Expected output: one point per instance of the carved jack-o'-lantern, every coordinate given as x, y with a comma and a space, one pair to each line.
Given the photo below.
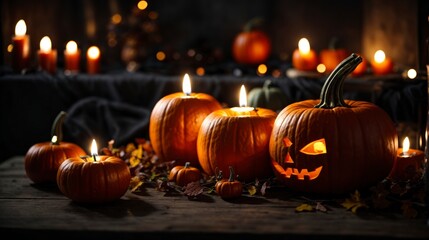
332, 145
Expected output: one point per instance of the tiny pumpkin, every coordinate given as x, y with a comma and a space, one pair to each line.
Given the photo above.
251, 46
269, 96
182, 175
42, 160
87, 181
229, 188
332, 145
333, 55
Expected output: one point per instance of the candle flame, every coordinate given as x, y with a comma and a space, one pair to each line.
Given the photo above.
93, 52
94, 150
243, 97
379, 56
45, 44
406, 145
186, 85
71, 47
20, 28
54, 139
304, 46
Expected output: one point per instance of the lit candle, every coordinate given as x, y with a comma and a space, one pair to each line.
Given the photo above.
408, 162
71, 57
175, 121
304, 58
47, 56
93, 60
381, 64
21, 47
237, 137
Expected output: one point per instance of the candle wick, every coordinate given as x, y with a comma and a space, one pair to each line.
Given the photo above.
187, 94
95, 157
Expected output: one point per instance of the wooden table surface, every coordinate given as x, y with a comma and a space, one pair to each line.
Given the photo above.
28, 210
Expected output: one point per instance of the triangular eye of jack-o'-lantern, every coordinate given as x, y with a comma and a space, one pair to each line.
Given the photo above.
332, 145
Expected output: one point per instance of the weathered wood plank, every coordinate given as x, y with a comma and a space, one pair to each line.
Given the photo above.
27, 210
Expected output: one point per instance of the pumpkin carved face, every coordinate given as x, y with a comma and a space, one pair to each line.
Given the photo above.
316, 147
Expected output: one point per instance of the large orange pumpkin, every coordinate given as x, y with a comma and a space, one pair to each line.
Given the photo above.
239, 139
174, 124
88, 181
332, 145
251, 46
42, 160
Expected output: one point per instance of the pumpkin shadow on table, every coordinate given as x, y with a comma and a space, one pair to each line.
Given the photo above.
47, 188
132, 206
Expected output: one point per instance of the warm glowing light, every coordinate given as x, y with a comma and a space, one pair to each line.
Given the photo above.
405, 145
200, 71
304, 46
116, 18
93, 52
160, 56
262, 69
412, 73
71, 47
10, 48
315, 148
45, 44
20, 28
54, 139
243, 97
142, 5
186, 85
379, 56
94, 150
321, 68
153, 15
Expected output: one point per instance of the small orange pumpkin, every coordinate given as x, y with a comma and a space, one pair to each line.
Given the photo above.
182, 175
229, 188
333, 55
174, 124
88, 181
251, 46
43, 159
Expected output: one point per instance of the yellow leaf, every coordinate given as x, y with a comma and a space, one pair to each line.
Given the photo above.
252, 190
354, 202
130, 147
304, 208
135, 183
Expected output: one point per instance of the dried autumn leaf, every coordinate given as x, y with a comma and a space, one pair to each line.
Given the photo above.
320, 207
193, 189
264, 188
304, 208
354, 203
135, 183
252, 190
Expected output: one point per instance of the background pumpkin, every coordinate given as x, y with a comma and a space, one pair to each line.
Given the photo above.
227, 138
333, 55
174, 125
42, 160
269, 96
93, 182
251, 46
361, 140
182, 175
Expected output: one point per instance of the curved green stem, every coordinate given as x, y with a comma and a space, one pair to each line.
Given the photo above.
231, 174
187, 164
57, 127
254, 23
331, 95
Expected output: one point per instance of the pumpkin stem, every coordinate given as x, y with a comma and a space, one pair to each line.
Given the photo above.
187, 164
57, 127
331, 95
231, 174
253, 23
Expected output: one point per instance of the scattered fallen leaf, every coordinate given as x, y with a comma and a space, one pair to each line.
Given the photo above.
321, 208
193, 189
354, 202
304, 208
252, 190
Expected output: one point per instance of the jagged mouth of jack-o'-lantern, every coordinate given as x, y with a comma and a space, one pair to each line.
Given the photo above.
316, 147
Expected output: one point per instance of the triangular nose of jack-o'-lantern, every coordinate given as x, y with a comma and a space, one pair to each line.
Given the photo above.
333, 145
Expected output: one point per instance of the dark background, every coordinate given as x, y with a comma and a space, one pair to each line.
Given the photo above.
398, 27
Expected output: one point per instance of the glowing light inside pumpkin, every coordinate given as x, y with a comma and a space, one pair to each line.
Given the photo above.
186, 85
20, 28
71, 47
321, 68
94, 150
379, 56
304, 46
405, 146
54, 139
315, 148
45, 44
243, 97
